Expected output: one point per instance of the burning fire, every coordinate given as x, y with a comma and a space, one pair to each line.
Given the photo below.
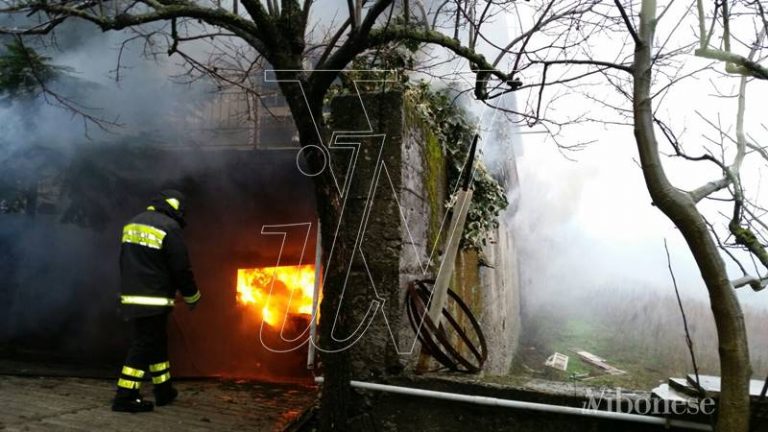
292, 288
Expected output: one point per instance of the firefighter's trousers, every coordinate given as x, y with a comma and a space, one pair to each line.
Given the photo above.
148, 354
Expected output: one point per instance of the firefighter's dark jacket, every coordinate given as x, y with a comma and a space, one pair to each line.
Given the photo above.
154, 262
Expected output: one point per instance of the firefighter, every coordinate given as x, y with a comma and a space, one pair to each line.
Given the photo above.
154, 264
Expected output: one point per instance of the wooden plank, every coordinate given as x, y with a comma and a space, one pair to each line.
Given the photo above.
599, 362
455, 230
444, 274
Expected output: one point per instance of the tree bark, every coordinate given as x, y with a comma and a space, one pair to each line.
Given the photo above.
335, 399
336, 394
680, 208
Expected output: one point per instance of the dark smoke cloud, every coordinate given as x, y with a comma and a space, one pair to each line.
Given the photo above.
59, 286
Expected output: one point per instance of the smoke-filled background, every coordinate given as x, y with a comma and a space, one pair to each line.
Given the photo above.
67, 186
593, 267
41, 142
594, 271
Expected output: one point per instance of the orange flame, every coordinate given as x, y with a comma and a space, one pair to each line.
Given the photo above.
292, 289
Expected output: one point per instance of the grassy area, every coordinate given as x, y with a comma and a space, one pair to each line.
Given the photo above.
636, 330
567, 337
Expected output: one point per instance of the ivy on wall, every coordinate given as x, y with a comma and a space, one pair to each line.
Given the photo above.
454, 129
447, 128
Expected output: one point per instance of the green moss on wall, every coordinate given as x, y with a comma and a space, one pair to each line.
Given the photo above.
439, 117
434, 179
434, 166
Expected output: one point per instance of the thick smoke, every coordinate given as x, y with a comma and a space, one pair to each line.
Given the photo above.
59, 221
592, 250
140, 97
67, 186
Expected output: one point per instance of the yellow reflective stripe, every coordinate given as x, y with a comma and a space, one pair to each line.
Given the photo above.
136, 373
157, 367
151, 208
173, 202
143, 235
161, 378
146, 301
129, 384
145, 229
193, 298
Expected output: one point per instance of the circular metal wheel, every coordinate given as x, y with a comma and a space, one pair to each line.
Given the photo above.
453, 346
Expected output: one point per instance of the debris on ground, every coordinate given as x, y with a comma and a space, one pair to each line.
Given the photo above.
557, 361
599, 362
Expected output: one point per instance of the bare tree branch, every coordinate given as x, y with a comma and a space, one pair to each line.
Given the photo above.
627, 22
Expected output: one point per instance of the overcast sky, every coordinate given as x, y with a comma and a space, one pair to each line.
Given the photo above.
595, 212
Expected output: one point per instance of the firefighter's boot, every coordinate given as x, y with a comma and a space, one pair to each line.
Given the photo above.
165, 393
131, 401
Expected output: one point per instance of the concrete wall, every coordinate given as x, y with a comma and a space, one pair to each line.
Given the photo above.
371, 235
394, 412
423, 197
402, 240
499, 314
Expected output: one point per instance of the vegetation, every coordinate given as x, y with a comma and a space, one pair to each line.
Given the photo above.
449, 130
453, 127
645, 339
24, 72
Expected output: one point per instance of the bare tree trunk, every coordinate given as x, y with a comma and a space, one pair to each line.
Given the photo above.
336, 396
681, 209
335, 399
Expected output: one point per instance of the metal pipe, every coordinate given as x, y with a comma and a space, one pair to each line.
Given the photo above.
531, 406
315, 298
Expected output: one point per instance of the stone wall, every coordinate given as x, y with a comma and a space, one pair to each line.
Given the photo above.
419, 208
404, 413
369, 164
402, 241
500, 300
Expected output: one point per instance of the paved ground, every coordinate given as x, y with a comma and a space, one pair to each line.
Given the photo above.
78, 404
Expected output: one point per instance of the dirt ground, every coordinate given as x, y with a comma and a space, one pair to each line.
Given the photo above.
78, 404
